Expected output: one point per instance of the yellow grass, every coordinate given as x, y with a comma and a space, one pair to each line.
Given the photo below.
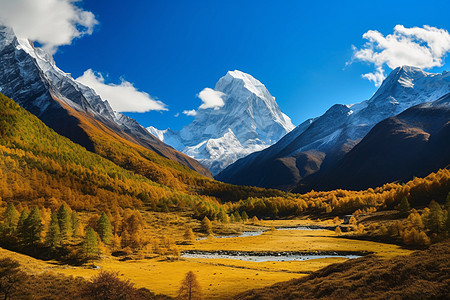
222, 278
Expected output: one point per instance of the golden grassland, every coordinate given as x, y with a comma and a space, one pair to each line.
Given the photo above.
297, 240
221, 278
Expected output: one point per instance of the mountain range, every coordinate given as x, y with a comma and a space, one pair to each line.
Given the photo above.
400, 132
320, 143
30, 76
250, 120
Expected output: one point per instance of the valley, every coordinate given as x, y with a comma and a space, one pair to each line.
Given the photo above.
218, 277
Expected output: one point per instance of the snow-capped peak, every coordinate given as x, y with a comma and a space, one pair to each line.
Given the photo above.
249, 118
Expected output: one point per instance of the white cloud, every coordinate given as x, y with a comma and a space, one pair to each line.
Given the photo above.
191, 112
424, 47
52, 23
211, 99
176, 115
122, 97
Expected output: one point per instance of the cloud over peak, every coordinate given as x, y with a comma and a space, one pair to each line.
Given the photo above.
123, 97
210, 99
424, 47
52, 23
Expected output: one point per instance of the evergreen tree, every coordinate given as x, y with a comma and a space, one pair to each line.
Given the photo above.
222, 216
32, 228
53, 237
434, 219
244, 216
206, 226
21, 223
65, 223
104, 228
404, 206
90, 244
11, 218
447, 222
75, 224
237, 216
232, 219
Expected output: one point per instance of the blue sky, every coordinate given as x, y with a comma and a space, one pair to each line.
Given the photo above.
174, 49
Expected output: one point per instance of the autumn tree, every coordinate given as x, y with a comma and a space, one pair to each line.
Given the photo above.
108, 286
11, 277
206, 226
11, 218
338, 230
53, 236
104, 228
90, 244
189, 236
133, 231
190, 288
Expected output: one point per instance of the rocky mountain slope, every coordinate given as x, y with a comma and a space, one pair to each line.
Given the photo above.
319, 143
249, 121
30, 77
413, 143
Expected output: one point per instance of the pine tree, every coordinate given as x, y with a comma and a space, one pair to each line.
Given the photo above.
32, 228
237, 216
232, 219
90, 244
338, 230
65, 223
222, 216
104, 228
53, 237
21, 223
244, 216
206, 226
11, 217
404, 206
190, 288
76, 231
434, 219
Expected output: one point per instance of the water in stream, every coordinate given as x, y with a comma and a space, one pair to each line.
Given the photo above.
262, 258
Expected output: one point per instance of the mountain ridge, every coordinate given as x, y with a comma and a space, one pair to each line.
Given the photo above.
30, 77
326, 139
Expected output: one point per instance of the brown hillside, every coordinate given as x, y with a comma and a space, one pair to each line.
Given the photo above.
421, 275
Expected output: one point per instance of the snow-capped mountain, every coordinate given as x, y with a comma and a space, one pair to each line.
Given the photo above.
319, 143
415, 142
249, 121
30, 76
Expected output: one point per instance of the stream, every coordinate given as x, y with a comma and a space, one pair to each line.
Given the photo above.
269, 256
266, 256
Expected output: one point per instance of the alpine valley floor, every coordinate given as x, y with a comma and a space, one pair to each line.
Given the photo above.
224, 278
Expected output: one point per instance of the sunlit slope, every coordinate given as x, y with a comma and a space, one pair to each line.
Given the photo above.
37, 164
